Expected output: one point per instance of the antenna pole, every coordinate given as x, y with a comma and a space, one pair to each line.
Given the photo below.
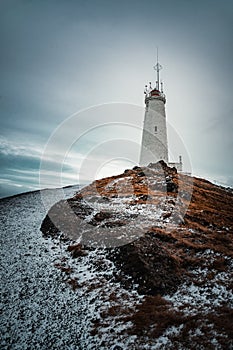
157, 68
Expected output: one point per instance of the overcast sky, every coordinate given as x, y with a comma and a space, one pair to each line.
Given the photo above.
61, 57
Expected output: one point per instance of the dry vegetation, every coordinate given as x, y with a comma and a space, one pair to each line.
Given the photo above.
155, 315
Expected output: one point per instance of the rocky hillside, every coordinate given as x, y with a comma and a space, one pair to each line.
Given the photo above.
169, 237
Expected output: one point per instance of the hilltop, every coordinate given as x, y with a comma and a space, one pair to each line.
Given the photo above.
169, 238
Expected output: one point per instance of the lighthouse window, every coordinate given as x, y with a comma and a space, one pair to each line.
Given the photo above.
156, 129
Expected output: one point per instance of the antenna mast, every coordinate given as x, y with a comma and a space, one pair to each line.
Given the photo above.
157, 68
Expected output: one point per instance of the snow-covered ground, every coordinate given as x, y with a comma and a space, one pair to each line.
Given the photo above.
52, 301
205, 293
39, 308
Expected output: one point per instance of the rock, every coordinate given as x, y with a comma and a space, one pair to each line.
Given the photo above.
141, 174
77, 250
48, 228
166, 215
143, 197
137, 168
150, 266
115, 223
65, 269
171, 185
158, 165
102, 215
73, 283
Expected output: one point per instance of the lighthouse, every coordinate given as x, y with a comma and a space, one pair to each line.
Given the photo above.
154, 146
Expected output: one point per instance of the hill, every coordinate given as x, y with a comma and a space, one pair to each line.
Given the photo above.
169, 238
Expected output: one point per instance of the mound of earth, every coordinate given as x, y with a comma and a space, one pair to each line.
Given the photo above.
154, 223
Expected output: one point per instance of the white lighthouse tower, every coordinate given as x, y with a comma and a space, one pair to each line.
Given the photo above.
154, 145
154, 138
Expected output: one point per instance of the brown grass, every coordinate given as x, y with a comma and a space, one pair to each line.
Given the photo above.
155, 315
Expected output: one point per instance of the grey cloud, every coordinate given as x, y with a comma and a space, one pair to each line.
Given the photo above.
58, 57
20, 168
